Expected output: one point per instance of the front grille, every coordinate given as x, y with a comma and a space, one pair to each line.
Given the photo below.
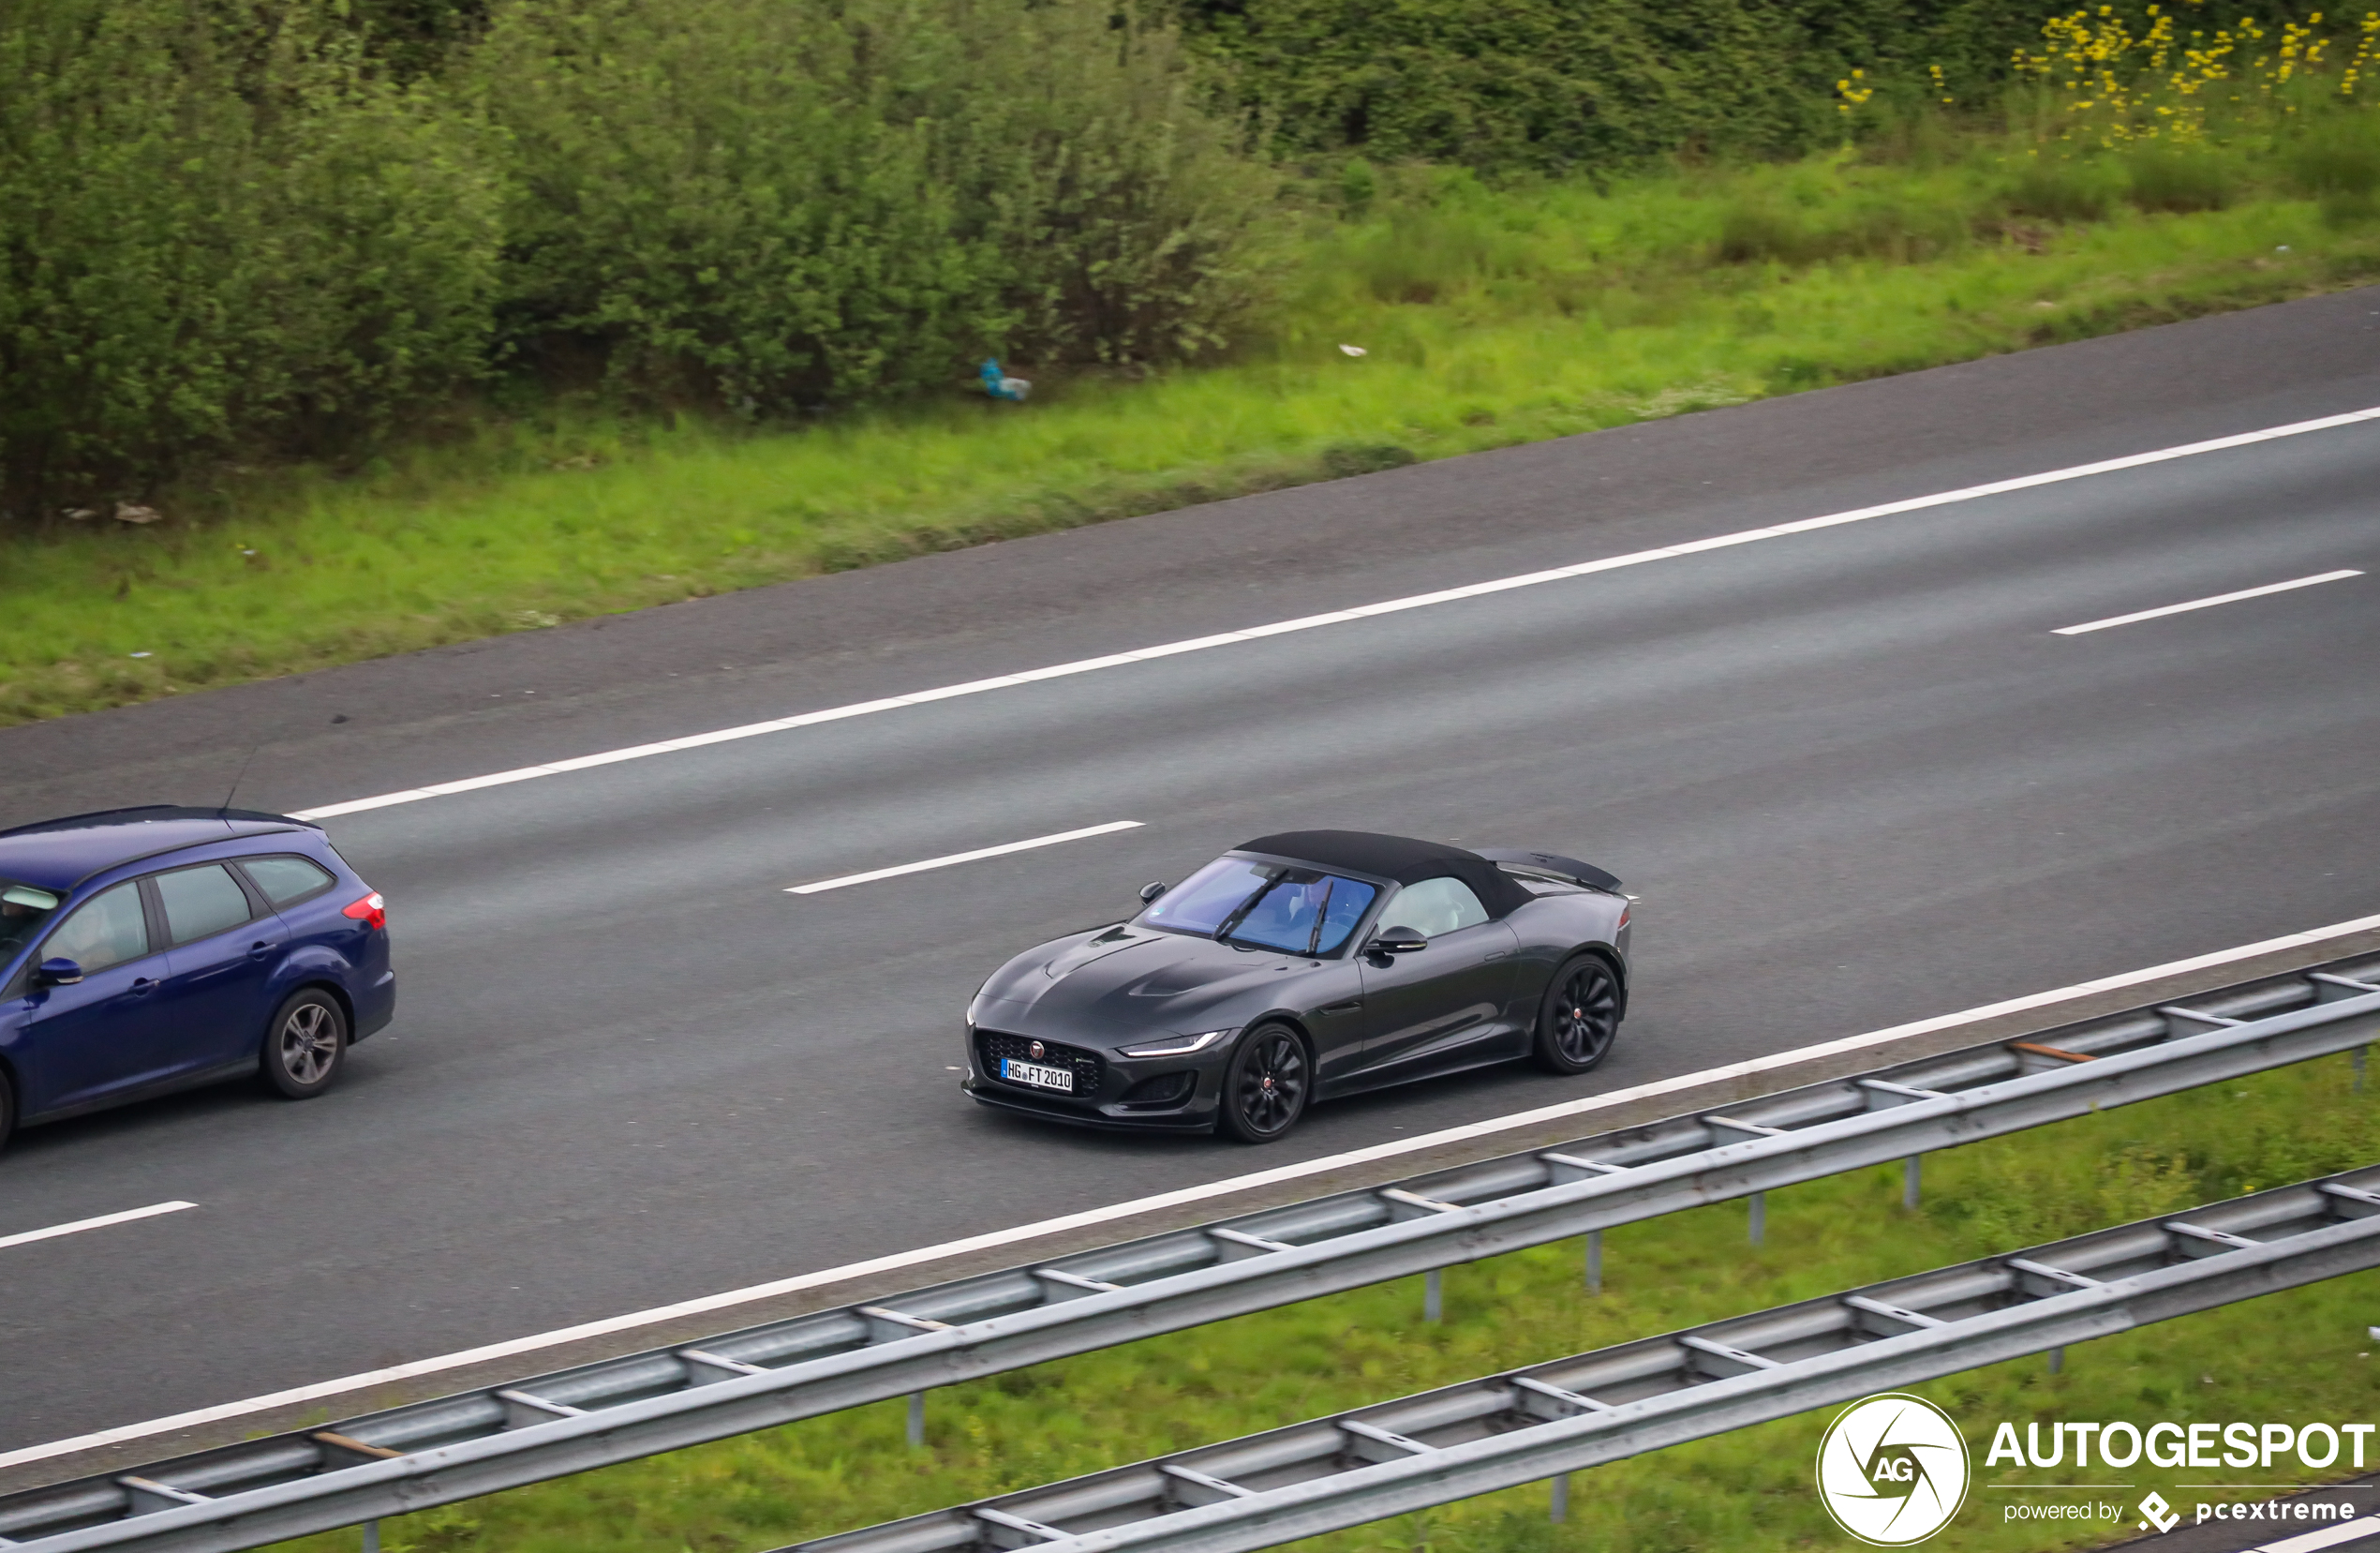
992, 1045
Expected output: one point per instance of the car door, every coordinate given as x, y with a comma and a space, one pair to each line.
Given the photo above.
221, 950
1444, 1002
98, 1038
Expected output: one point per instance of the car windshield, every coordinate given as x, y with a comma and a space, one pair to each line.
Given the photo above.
1265, 905
23, 910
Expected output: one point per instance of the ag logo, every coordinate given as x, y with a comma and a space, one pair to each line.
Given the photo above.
1892, 1470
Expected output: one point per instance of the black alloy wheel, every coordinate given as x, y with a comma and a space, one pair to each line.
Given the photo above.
304, 1045
1581, 1017
1265, 1088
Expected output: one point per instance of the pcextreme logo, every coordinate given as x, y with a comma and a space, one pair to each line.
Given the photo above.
1892, 1470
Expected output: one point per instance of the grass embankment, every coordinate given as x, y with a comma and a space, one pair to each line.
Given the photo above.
1488, 318
2298, 1356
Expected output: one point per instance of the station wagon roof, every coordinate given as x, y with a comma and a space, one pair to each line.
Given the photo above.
60, 854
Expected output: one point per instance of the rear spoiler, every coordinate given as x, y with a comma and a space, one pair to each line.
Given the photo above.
1550, 865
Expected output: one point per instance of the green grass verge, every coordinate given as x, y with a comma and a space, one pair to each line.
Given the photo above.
1488, 318
2298, 1356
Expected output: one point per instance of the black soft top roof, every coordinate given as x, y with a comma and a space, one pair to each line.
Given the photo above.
1400, 858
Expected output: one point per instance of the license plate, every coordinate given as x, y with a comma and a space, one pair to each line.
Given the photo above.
1037, 1075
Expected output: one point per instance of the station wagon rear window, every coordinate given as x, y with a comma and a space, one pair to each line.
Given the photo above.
287, 880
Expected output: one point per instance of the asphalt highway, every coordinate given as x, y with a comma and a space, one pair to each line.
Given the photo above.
1855, 773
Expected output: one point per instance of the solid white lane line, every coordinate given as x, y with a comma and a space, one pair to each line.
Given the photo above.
2202, 603
1044, 1228
1340, 617
26, 1237
2328, 1536
1000, 851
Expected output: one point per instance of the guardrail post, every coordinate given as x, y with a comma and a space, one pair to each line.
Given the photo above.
371, 1536
1559, 1510
1911, 1172
1760, 1217
2057, 1359
1432, 1297
2360, 1053
916, 1418
1595, 1262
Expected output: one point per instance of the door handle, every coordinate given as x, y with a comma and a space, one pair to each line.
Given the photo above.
1501, 954
258, 950
142, 986
1350, 1006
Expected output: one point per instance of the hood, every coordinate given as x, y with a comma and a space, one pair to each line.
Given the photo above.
1124, 985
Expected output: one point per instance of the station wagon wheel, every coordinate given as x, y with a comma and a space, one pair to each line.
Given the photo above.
304, 1045
1581, 1017
7, 1110
1266, 1086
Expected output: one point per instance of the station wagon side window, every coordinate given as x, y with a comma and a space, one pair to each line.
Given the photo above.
201, 902
107, 930
286, 880
1435, 906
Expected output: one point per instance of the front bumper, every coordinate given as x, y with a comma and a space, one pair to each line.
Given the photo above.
1131, 1094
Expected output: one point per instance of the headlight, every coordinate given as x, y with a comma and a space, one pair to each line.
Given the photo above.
1179, 1046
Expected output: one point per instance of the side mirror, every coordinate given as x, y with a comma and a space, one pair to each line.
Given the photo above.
57, 973
1397, 941
1150, 890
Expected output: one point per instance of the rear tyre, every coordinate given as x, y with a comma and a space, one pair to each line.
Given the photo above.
1581, 1016
305, 1046
1265, 1085
7, 1110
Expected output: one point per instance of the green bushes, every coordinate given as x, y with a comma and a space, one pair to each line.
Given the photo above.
797, 203
1567, 86
1555, 85
274, 227
216, 228
229, 228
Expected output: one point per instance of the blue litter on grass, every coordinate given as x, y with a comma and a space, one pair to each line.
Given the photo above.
1000, 387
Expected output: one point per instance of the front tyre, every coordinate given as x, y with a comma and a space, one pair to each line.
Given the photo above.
1266, 1086
304, 1045
1581, 1016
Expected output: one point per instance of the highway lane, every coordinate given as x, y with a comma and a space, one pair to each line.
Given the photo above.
1856, 777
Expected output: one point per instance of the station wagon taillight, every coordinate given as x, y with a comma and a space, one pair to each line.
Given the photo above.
371, 911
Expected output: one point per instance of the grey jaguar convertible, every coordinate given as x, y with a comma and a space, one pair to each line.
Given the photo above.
1301, 967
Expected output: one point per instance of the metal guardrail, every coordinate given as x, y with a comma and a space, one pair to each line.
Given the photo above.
1552, 1419
480, 1442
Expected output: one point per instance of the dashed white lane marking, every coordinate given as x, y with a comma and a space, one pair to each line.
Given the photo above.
1001, 851
2163, 610
1340, 617
26, 1237
297, 1395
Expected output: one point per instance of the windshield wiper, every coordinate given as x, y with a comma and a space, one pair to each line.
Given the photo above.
1223, 928
1321, 914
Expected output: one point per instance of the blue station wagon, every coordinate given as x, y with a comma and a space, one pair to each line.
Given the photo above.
152, 949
